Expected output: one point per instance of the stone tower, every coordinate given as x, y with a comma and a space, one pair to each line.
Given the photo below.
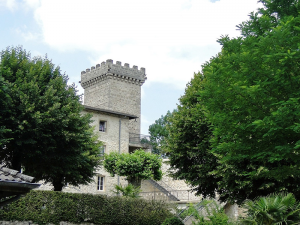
115, 87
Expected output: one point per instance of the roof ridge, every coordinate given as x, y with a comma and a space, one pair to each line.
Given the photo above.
17, 174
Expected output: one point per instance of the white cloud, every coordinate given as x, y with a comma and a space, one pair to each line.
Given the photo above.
92, 24
165, 37
27, 35
32, 3
24, 5
10, 4
160, 67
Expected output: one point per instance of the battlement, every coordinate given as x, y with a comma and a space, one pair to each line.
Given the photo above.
109, 70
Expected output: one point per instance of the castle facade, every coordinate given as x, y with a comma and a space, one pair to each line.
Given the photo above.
112, 94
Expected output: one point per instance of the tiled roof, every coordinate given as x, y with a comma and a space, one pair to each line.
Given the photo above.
14, 176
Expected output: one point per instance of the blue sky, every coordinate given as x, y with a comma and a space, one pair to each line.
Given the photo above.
170, 38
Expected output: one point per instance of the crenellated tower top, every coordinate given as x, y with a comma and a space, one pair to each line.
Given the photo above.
114, 87
109, 70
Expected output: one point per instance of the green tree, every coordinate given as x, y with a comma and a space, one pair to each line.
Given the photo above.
251, 97
4, 102
187, 144
137, 166
50, 137
237, 126
268, 17
158, 132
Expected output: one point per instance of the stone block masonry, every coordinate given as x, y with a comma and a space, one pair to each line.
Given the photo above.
110, 139
115, 87
31, 223
96, 74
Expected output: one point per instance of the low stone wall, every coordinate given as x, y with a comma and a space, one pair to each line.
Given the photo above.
31, 223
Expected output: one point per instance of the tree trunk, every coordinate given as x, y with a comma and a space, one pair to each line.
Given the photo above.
58, 184
136, 182
231, 210
16, 159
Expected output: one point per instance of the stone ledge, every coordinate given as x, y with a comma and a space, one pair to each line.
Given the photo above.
31, 223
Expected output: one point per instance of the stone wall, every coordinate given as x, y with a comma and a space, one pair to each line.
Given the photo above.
31, 223
115, 87
178, 188
150, 192
172, 183
98, 95
110, 139
118, 88
126, 97
132, 74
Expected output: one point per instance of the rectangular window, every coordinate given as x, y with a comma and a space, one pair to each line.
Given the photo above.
100, 183
102, 126
102, 150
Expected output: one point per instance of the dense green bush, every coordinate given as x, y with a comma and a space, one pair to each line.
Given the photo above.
45, 207
127, 191
278, 208
207, 212
173, 221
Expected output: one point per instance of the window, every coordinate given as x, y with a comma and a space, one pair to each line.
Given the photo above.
102, 126
100, 183
102, 150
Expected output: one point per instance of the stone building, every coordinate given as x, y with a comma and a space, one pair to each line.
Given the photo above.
112, 94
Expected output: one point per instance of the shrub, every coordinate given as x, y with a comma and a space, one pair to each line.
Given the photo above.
45, 207
208, 212
281, 208
127, 191
173, 221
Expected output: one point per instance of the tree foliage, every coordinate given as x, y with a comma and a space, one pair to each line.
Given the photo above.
248, 101
50, 137
251, 97
173, 221
4, 102
187, 144
137, 166
268, 17
278, 208
158, 132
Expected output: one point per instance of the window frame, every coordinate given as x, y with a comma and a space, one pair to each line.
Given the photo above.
102, 150
104, 127
100, 183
